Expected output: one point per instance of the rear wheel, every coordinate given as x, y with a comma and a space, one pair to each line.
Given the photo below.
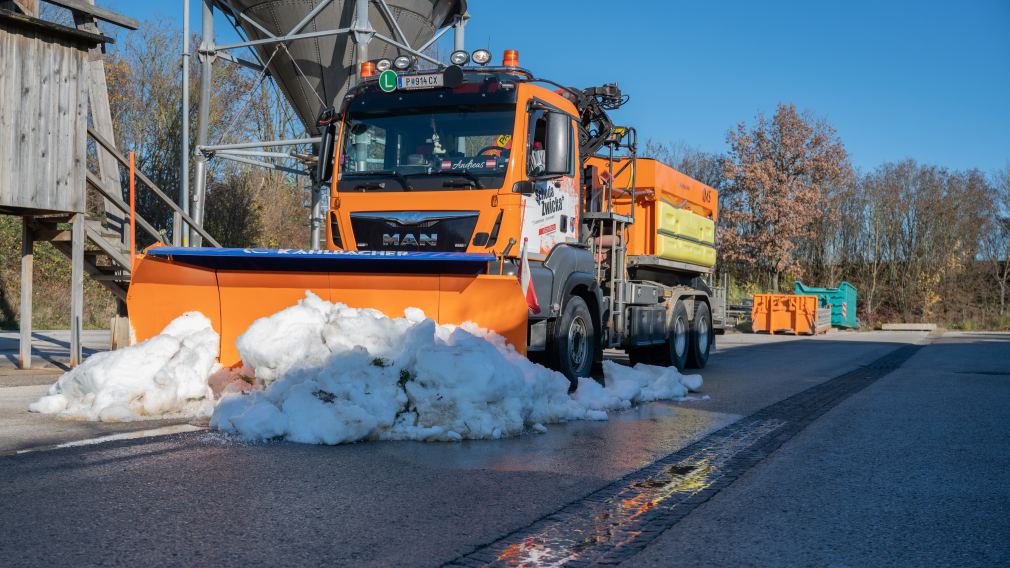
674, 352
701, 337
572, 341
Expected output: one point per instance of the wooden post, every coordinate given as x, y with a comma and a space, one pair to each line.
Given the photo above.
101, 117
76, 288
27, 266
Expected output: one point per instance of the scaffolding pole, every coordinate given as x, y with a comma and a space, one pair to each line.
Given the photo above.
181, 238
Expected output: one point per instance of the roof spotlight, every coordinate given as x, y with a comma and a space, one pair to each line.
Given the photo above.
383, 64
481, 56
459, 57
402, 62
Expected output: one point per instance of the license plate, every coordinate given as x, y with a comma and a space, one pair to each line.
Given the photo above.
429, 81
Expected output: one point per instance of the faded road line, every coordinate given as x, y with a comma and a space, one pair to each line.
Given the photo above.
616, 522
163, 431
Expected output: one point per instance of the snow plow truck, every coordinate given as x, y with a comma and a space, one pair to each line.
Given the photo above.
443, 185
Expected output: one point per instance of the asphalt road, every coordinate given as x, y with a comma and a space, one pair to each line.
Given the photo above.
921, 451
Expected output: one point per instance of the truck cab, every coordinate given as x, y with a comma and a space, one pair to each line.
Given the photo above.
456, 170
482, 160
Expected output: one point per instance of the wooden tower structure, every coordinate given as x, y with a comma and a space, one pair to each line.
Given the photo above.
52, 78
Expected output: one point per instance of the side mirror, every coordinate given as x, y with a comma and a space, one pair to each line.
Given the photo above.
525, 187
324, 163
558, 142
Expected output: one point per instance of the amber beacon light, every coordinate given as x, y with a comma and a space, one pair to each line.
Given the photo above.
367, 69
511, 58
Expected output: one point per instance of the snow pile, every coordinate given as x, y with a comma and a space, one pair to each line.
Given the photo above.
334, 374
165, 375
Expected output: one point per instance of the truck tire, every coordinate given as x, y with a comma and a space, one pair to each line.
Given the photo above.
701, 337
572, 341
674, 352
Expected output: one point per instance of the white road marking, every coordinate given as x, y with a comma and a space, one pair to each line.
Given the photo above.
163, 431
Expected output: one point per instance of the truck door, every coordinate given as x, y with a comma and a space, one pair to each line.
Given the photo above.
551, 212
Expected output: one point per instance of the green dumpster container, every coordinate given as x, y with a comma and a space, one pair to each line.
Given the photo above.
842, 300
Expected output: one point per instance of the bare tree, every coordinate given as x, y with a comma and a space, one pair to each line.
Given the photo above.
996, 237
705, 167
145, 96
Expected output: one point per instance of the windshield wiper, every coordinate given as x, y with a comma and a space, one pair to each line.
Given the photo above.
400, 178
370, 185
463, 173
469, 183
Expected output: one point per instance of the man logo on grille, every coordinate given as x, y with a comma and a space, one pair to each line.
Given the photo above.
410, 240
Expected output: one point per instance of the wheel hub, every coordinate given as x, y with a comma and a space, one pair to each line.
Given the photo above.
680, 337
578, 340
703, 331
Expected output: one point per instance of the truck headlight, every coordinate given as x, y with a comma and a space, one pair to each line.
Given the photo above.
481, 56
402, 62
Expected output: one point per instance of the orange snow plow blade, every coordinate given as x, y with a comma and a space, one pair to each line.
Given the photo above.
235, 287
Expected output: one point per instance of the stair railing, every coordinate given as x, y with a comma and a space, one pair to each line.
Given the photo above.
176, 210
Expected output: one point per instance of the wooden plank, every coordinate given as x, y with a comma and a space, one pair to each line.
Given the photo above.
51, 30
60, 152
27, 106
27, 7
27, 270
9, 81
101, 117
100, 13
66, 152
78, 138
76, 289
43, 147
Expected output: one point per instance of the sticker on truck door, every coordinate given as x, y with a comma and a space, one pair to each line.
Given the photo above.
551, 215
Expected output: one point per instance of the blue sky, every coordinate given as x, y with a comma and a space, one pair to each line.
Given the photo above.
923, 79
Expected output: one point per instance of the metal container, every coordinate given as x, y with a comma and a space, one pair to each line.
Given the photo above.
774, 313
842, 300
319, 70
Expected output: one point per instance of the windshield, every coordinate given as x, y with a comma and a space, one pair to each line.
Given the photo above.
427, 149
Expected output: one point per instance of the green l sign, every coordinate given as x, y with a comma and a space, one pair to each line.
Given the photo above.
387, 81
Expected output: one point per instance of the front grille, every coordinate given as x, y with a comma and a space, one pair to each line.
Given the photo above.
441, 231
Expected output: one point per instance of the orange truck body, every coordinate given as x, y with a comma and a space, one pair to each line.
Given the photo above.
800, 315
166, 286
674, 214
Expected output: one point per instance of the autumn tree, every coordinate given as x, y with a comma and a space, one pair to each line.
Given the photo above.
773, 197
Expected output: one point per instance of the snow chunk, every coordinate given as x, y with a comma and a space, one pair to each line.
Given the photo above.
163, 376
334, 374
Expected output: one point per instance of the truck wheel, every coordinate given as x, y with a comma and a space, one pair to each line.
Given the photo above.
701, 337
674, 352
573, 341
